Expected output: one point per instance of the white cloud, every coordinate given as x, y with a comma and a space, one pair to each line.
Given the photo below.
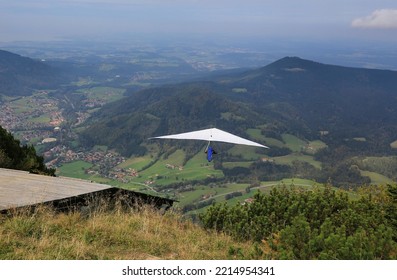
384, 18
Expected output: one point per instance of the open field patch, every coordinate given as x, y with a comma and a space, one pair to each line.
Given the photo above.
376, 178
314, 146
289, 159
234, 164
75, 169
294, 143
247, 153
171, 169
136, 162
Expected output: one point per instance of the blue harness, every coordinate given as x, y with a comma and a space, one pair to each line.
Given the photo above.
210, 152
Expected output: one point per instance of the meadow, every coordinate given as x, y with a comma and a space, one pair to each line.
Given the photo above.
102, 94
134, 234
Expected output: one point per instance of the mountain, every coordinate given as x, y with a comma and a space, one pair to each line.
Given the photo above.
326, 96
351, 111
20, 75
126, 125
294, 95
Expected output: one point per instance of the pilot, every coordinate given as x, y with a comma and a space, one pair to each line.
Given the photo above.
210, 152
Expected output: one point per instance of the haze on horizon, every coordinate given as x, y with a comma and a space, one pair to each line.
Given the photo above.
329, 19
327, 25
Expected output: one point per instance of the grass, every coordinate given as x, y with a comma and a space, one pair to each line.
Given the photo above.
246, 152
108, 94
75, 169
136, 162
288, 159
134, 234
239, 90
216, 192
22, 105
274, 142
45, 118
376, 178
195, 168
233, 164
315, 146
293, 142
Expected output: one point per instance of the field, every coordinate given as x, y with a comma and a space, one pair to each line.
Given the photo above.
102, 94
288, 159
169, 170
75, 169
376, 178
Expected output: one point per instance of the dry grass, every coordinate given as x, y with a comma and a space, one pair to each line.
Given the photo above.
114, 235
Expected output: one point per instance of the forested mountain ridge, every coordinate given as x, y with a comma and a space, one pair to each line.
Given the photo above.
352, 111
290, 95
126, 125
326, 96
21, 75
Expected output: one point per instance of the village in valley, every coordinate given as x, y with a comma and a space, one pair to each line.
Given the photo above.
33, 118
38, 120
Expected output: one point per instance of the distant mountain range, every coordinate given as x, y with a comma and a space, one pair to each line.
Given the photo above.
291, 95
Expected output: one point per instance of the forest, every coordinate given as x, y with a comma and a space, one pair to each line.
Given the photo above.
13, 155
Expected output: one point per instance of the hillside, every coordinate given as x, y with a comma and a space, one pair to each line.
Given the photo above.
13, 155
21, 75
116, 235
303, 97
344, 101
127, 124
287, 223
321, 121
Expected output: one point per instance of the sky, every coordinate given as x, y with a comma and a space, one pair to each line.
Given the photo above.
43, 20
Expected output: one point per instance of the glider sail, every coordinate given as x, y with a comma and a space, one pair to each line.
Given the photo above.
212, 135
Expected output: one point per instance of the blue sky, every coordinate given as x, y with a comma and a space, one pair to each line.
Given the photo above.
306, 19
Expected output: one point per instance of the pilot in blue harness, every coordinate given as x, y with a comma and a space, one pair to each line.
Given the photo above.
210, 152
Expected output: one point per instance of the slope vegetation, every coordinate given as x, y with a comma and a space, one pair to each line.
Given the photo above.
291, 105
21, 75
15, 156
116, 235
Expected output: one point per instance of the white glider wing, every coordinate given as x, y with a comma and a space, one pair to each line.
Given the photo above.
214, 135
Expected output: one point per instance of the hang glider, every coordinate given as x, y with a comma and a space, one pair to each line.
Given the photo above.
212, 135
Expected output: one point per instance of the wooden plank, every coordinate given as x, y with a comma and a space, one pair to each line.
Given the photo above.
20, 188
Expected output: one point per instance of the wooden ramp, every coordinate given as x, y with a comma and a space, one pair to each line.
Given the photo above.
21, 188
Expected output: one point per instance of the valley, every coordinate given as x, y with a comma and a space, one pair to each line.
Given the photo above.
95, 125
39, 119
